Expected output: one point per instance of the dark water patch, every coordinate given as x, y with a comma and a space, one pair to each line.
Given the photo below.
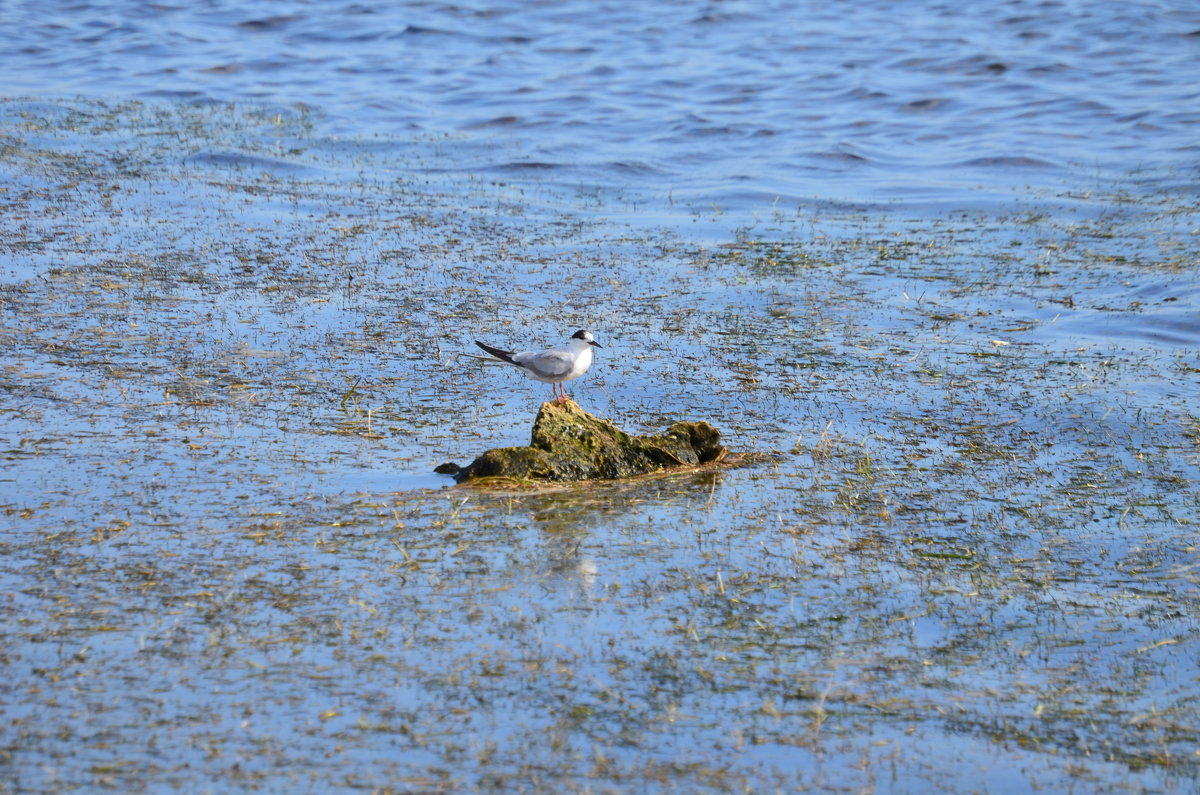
851, 157
925, 105
417, 30
223, 69
635, 169
1009, 161
236, 161
499, 121
526, 166
270, 23
178, 96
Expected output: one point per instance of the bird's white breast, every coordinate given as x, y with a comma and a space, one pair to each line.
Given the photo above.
583, 360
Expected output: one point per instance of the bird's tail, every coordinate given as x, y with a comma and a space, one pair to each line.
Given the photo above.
505, 356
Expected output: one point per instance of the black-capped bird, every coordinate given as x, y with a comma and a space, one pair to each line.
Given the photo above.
554, 365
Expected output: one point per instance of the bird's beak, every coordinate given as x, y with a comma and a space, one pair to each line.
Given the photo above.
598, 345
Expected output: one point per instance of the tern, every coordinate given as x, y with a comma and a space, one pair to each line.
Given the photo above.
554, 365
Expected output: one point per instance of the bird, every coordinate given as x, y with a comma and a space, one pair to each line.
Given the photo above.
553, 365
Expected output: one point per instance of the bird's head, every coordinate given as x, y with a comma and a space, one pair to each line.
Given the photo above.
586, 336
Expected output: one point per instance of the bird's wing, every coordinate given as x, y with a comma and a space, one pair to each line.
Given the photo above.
547, 364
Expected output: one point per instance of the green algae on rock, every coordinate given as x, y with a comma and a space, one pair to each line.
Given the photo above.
569, 444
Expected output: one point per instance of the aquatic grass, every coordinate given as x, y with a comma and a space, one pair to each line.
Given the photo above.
218, 384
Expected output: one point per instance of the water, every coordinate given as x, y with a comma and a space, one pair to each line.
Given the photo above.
941, 261
732, 103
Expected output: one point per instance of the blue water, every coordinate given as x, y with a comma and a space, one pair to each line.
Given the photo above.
223, 567
737, 104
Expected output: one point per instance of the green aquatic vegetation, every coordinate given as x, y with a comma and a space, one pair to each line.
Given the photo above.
568, 444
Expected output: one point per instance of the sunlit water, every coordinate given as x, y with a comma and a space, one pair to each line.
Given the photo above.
946, 255
732, 103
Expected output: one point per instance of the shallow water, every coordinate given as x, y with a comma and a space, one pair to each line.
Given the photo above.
920, 262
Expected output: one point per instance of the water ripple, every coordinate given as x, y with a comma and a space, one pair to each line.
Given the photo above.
993, 93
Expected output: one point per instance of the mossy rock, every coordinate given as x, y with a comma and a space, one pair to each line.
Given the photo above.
570, 444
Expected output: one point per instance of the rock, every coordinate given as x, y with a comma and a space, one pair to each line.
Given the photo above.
570, 444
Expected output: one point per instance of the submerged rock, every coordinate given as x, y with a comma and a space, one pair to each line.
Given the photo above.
570, 444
